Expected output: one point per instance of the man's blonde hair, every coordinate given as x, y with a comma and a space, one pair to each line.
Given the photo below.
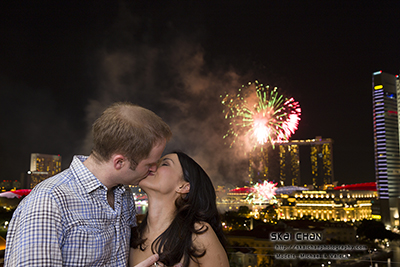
129, 130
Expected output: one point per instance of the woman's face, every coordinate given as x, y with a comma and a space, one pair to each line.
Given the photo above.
167, 179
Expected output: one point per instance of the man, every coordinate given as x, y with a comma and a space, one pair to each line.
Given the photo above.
83, 215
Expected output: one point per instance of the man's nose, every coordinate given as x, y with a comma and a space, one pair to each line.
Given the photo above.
153, 167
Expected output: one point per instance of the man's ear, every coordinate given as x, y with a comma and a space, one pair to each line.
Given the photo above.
118, 161
184, 189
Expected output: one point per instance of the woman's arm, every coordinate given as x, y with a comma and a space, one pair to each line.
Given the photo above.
215, 253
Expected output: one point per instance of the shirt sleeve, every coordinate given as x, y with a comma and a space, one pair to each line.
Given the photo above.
35, 233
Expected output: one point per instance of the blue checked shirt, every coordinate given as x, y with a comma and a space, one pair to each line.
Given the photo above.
67, 221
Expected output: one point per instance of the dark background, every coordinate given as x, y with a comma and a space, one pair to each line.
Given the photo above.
63, 62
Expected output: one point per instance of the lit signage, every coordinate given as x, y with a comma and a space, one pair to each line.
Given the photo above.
376, 217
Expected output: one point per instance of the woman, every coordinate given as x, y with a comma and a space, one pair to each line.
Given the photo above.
182, 224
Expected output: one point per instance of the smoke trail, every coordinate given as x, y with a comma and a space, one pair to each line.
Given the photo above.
173, 80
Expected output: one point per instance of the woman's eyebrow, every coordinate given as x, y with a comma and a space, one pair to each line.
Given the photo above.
168, 159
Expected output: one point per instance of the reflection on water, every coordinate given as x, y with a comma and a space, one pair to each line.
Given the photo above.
379, 259
395, 261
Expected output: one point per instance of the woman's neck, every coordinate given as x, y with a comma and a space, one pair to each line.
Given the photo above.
160, 215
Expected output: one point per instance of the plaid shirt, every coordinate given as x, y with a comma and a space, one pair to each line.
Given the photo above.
67, 221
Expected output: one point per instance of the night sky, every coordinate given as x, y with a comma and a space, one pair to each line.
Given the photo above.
63, 62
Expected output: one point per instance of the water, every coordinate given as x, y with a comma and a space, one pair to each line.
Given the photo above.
395, 261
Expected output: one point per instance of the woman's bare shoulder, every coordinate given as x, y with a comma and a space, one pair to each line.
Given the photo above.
208, 240
206, 234
202, 225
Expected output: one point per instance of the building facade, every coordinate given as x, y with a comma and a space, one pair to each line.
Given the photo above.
43, 166
342, 205
331, 205
289, 156
385, 90
285, 162
321, 159
249, 250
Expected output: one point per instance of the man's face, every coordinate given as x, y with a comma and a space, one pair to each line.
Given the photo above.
148, 165
167, 179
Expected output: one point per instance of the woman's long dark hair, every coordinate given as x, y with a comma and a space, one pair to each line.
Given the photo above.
199, 205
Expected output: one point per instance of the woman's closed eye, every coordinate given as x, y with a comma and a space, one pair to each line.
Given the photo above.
166, 162
163, 162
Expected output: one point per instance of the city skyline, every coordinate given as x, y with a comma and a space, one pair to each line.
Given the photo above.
62, 63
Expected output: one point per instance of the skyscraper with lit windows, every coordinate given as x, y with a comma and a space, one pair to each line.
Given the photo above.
283, 164
321, 160
386, 144
43, 166
289, 157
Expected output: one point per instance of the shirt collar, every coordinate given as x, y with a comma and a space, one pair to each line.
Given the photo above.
87, 179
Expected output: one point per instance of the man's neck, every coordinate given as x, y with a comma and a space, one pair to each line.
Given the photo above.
101, 170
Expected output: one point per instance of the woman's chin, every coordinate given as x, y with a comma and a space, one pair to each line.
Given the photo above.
142, 184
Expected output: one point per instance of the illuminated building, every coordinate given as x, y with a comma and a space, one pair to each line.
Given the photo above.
345, 203
385, 88
259, 246
43, 166
243, 256
321, 162
282, 164
333, 205
289, 164
321, 159
233, 200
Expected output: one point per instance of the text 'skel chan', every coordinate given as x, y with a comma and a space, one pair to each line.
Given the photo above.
296, 236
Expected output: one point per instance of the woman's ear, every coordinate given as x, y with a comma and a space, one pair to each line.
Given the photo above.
184, 189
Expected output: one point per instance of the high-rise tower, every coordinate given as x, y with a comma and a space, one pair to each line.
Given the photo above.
386, 144
289, 156
282, 164
321, 160
43, 166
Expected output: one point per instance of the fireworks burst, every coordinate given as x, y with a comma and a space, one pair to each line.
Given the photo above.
262, 193
262, 115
